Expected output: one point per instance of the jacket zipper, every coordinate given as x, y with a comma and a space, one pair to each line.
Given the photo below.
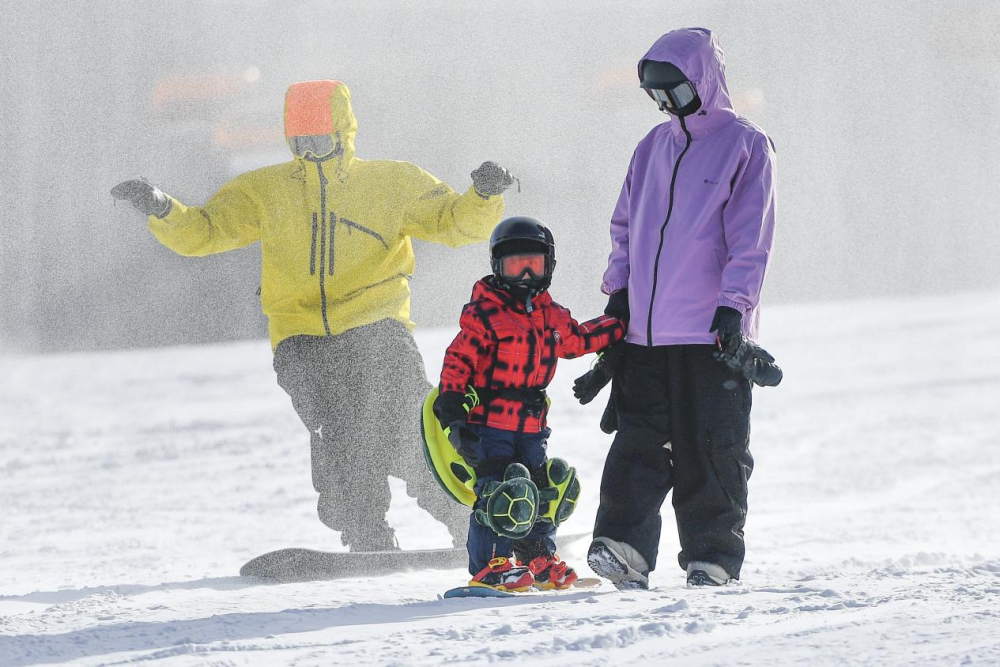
663, 229
322, 246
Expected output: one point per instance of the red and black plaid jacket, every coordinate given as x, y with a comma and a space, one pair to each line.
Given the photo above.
502, 347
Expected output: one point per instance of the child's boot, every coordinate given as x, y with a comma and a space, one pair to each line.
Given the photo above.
504, 574
551, 572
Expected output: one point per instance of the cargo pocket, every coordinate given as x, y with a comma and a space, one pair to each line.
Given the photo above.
732, 466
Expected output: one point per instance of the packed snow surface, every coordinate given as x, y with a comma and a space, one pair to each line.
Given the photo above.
133, 485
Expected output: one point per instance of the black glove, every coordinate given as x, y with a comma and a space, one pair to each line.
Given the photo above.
728, 322
751, 361
609, 420
618, 305
491, 179
464, 440
449, 407
589, 385
145, 197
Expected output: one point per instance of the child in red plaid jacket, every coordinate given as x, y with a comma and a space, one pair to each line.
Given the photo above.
512, 334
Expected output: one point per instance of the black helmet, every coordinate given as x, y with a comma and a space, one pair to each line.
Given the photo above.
522, 235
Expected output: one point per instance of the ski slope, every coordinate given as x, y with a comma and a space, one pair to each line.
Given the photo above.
134, 484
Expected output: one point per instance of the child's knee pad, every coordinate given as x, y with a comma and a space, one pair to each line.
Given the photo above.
558, 498
511, 506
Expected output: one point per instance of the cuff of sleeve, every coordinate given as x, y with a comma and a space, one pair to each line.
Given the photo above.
172, 205
742, 307
622, 331
485, 198
611, 286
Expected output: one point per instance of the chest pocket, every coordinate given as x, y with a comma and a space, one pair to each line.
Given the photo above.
515, 347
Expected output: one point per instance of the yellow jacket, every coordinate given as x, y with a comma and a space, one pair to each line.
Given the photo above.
334, 234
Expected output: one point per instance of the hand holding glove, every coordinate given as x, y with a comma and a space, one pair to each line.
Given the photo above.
727, 322
491, 179
145, 197
589, 385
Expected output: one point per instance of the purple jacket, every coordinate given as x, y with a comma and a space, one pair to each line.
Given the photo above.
710, 245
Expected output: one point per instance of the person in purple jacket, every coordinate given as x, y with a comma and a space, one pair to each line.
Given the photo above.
691, 236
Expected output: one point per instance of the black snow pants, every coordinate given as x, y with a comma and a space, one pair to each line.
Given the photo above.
360, 394
683, 424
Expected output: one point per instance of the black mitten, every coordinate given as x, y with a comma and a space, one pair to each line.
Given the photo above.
609, 420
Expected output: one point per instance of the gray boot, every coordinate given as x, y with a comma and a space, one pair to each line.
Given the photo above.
619, 563
357, 533
706, 574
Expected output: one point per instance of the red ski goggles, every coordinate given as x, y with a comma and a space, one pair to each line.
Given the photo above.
514, 267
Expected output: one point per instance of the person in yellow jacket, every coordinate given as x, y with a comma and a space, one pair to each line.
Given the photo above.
336, 253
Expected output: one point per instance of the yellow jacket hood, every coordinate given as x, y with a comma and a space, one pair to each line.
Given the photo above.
322, 107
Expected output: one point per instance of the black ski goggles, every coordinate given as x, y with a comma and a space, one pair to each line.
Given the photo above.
676, 99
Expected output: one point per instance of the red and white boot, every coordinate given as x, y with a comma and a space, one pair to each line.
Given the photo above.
504, 574
551, 573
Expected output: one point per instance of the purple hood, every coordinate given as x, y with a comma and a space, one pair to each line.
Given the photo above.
696, 52
694, 223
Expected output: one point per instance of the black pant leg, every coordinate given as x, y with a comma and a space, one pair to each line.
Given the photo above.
710, 415
638, 473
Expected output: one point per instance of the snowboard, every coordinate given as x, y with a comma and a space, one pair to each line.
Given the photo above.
291, 565
296, 564
487, 592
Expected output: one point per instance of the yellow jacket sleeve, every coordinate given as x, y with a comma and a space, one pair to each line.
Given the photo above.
231, 219
440, 215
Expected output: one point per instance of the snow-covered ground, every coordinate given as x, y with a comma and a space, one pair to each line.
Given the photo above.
133, 485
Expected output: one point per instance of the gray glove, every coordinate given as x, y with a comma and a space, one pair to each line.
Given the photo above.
491, 179
144, 196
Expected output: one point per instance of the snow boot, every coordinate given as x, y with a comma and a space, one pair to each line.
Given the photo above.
706, 574
551, 572
376, 537
504, 574
619, 563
